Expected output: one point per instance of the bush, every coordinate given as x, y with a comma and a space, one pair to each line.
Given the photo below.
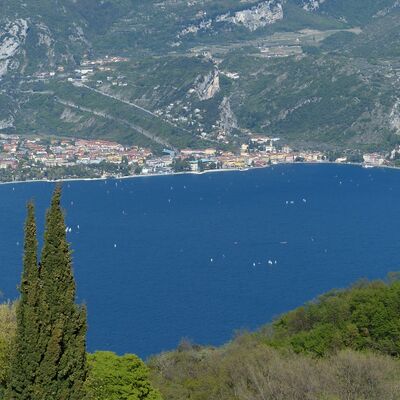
119, 378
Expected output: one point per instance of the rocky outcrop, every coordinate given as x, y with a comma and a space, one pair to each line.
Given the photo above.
388, 10
7, 123
394, 118
12, 37
203, 25
207, 86
227, 119
312, 5
266, 13
46, 41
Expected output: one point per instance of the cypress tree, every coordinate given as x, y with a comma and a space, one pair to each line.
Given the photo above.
49, 357
26, 355
62, 370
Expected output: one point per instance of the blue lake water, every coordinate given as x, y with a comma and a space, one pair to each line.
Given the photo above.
200, 256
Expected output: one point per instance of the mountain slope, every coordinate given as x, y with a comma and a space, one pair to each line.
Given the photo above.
321, 74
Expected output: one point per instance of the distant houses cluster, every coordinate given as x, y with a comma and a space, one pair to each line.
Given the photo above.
259, 151
66, 152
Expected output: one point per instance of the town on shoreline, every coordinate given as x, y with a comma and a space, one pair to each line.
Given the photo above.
36, 158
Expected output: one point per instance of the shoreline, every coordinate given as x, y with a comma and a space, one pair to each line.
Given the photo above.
194, 173
129, 176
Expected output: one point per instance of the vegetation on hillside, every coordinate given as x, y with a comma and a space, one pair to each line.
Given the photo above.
365, 317
248, 370
342, 346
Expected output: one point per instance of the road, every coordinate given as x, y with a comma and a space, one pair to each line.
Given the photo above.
102, 114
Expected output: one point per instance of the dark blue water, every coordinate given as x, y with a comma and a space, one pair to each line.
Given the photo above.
158, 259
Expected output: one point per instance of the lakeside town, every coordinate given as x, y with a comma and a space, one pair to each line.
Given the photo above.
36, 158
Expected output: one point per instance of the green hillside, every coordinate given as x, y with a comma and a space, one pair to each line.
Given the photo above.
344, 345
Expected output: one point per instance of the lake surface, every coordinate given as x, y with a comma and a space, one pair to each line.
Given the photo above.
200, 256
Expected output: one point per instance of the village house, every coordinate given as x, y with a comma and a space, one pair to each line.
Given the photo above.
8, 163
374, 159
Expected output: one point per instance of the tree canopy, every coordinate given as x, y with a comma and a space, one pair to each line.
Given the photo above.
119, 378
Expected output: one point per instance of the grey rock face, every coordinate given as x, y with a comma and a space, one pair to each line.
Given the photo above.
12, 37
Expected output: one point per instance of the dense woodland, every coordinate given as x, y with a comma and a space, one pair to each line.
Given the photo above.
344, 345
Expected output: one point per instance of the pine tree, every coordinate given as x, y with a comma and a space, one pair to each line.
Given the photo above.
26, 355
62, 371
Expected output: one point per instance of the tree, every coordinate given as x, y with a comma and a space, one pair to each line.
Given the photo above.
180, 165
119, 378
7, 333
62, 370
49, 361
26, 355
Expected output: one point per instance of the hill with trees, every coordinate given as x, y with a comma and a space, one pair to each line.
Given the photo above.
344, 345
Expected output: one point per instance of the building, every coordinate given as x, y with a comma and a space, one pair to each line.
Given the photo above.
373, 159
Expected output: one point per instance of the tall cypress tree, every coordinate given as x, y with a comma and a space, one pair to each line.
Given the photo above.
26, 354
49, 361
62, 369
